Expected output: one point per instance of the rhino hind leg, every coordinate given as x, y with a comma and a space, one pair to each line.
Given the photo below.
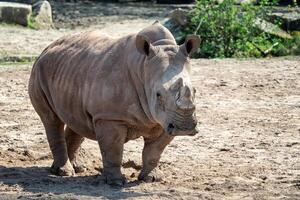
56, 138
73, 141
54, 128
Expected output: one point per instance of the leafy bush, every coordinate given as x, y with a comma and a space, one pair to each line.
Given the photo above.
228, 30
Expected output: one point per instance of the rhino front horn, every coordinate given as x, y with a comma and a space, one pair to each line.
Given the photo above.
185, 99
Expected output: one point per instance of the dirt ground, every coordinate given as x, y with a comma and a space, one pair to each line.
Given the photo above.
248, 146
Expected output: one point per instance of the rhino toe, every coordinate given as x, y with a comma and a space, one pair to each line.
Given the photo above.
153, 176
79, 168
66, 170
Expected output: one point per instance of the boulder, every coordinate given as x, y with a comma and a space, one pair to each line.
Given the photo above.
272, 29
175, 22
241, 1
175, 1
15, 13
286, 2
42, 15
179, 16
290, 19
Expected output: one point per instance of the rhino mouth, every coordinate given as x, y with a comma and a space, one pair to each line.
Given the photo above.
174, 130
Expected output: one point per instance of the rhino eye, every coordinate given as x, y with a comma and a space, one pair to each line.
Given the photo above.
160, 101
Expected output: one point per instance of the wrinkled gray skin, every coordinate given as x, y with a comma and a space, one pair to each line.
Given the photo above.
113, 90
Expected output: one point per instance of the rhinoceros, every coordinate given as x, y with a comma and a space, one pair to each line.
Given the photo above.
112, 90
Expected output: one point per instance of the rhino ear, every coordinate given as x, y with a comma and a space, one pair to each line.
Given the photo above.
191, 44
143, 45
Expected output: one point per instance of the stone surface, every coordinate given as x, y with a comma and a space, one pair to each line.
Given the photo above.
15, 13
175, 1
42, 15
290, 19
179, 16
241, 1
176, 20
272, 29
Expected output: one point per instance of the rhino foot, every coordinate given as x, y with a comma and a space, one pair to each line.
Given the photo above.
153, 176
116, 182
79, 168
66, 170
114, 179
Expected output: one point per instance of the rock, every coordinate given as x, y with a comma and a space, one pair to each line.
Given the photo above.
287, 2
290, 19
15, 13
176, 20
178, 16
175, 1
42, 15
29, 153
272, 29
241, 1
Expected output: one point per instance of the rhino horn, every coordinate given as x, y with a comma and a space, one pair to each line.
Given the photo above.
185, 101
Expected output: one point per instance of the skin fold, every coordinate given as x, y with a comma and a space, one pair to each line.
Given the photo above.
90, 85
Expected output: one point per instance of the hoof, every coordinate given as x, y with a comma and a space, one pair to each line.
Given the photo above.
154, 176
66, 170
116, 182
79, 169
112, 180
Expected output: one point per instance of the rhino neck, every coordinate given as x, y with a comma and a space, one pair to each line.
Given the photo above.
158, 35
135, 67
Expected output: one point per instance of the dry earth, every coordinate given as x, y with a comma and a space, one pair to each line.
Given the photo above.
247, 148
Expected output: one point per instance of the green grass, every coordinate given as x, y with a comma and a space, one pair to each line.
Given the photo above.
13, 64
6, 59
31, 23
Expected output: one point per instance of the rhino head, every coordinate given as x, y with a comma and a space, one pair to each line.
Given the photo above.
168, 86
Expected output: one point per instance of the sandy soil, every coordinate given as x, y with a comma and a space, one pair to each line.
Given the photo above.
111, 18
247, 148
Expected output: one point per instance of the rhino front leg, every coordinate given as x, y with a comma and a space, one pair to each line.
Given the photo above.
152, 151
111, 138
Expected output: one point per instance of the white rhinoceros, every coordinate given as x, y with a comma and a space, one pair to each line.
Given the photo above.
113, 90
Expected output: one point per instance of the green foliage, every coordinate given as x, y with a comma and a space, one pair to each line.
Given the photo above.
228, 30
287, 47
31, 23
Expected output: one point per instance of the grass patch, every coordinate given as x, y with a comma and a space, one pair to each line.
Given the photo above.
9, 60
4, 64
31, 23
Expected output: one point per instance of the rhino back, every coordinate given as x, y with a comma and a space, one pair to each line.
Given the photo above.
84, 77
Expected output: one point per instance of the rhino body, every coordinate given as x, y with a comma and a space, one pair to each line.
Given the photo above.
90, 85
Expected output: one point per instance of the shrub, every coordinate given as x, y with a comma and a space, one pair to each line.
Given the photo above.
228, 30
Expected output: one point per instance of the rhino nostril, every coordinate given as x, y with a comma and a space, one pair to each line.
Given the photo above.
170, 128
194, 124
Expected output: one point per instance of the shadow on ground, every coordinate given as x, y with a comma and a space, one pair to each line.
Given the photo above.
39, 180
